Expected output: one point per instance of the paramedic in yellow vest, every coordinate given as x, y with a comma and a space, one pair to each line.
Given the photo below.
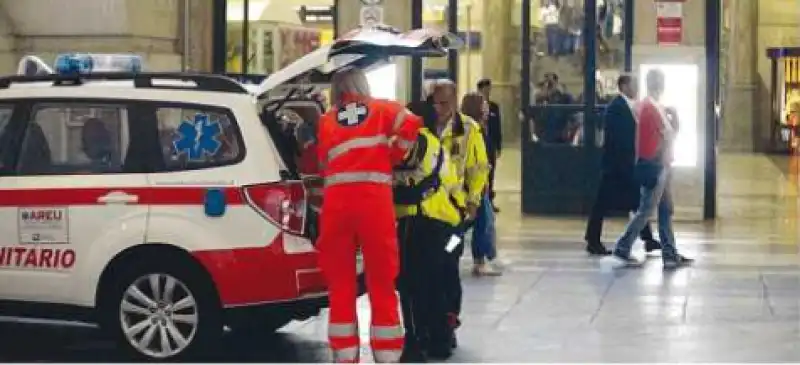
426, 190
462, 139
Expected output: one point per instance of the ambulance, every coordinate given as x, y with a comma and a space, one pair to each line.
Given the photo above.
168, 207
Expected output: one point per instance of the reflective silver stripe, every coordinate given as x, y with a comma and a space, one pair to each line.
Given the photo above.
404, 143
399, 119
363, 142
356, 177
347, 354
342, 329
385, 356
386, 332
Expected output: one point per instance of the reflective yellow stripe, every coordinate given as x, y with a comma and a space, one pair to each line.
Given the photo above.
356, 177
363, 142
342, 330
347, 354
399, 119
385, 356
386, 332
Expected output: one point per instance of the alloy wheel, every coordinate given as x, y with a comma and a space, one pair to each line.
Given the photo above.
159, 315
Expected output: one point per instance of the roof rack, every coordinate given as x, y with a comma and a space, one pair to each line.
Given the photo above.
204, 82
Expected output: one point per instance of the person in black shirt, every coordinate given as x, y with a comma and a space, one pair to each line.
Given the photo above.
494, 132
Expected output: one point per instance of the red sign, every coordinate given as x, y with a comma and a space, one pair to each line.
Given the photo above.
669, 22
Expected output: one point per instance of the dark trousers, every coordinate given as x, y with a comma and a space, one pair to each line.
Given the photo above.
452, 278
491, 178
614, 194
553, 34
422, 289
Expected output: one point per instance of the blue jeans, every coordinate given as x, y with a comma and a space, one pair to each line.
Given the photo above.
658, 198
483, 233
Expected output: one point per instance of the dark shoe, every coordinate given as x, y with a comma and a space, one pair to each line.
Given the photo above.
651, 245
413, 356
677, 263
597, 249
440, 353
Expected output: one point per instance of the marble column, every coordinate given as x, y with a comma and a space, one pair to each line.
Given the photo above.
740, 124
8, 57
397, 13
496, 53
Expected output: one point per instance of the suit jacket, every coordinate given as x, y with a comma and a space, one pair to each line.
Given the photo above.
495, 131
619, 155
619, 150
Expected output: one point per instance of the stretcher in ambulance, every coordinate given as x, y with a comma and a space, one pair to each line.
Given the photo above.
154, 204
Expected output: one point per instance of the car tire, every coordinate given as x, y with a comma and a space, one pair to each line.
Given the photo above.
162, 310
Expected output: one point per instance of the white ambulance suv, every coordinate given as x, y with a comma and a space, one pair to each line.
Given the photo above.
162, 206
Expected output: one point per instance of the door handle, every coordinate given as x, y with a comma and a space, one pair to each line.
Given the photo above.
118, 197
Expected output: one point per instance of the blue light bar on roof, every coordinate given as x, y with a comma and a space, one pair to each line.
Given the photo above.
85, 63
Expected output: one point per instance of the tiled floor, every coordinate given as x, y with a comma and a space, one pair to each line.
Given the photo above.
740, 303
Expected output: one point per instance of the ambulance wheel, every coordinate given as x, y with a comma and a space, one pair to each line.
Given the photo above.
162, 311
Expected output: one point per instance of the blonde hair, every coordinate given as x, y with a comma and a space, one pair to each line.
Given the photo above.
349, 80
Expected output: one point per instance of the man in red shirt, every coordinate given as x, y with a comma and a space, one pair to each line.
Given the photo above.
655, 142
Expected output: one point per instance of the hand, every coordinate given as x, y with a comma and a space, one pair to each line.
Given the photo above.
472, 211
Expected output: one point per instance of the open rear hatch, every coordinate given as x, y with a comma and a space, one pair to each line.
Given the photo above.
291, 100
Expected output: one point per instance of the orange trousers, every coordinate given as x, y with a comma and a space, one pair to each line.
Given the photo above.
360, 215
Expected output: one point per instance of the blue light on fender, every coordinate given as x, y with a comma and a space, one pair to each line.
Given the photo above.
215, 203
85, 63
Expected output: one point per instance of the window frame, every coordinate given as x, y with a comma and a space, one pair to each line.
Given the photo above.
150, 108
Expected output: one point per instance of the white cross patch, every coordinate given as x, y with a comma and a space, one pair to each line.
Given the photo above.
353, 114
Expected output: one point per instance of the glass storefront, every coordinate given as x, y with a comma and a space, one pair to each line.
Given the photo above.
263, 36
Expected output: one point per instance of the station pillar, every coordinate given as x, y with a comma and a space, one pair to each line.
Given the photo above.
396, 13
740, 130
497, 53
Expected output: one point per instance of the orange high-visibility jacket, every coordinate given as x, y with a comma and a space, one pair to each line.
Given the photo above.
363, 138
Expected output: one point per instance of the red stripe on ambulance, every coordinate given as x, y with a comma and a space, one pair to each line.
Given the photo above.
91, 196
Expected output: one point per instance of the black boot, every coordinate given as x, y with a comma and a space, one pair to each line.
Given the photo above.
413, 353
597, 249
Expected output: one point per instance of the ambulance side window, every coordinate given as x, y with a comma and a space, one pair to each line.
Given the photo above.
5, 117
198, 137
75, 138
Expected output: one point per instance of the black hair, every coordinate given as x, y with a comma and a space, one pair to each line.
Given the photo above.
484, 83
624, 80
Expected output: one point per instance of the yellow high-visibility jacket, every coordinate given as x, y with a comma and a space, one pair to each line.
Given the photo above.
426, 183
468, 153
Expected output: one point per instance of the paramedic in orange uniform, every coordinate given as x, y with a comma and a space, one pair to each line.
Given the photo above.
358, 142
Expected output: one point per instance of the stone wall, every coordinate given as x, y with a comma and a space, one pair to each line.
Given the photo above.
150, 28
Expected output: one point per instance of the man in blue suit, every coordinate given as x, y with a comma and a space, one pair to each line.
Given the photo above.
618, 189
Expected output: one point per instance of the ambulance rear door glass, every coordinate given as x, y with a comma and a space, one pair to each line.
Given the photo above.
75, 138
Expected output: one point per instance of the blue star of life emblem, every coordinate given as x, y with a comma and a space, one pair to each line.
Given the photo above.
198, 137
